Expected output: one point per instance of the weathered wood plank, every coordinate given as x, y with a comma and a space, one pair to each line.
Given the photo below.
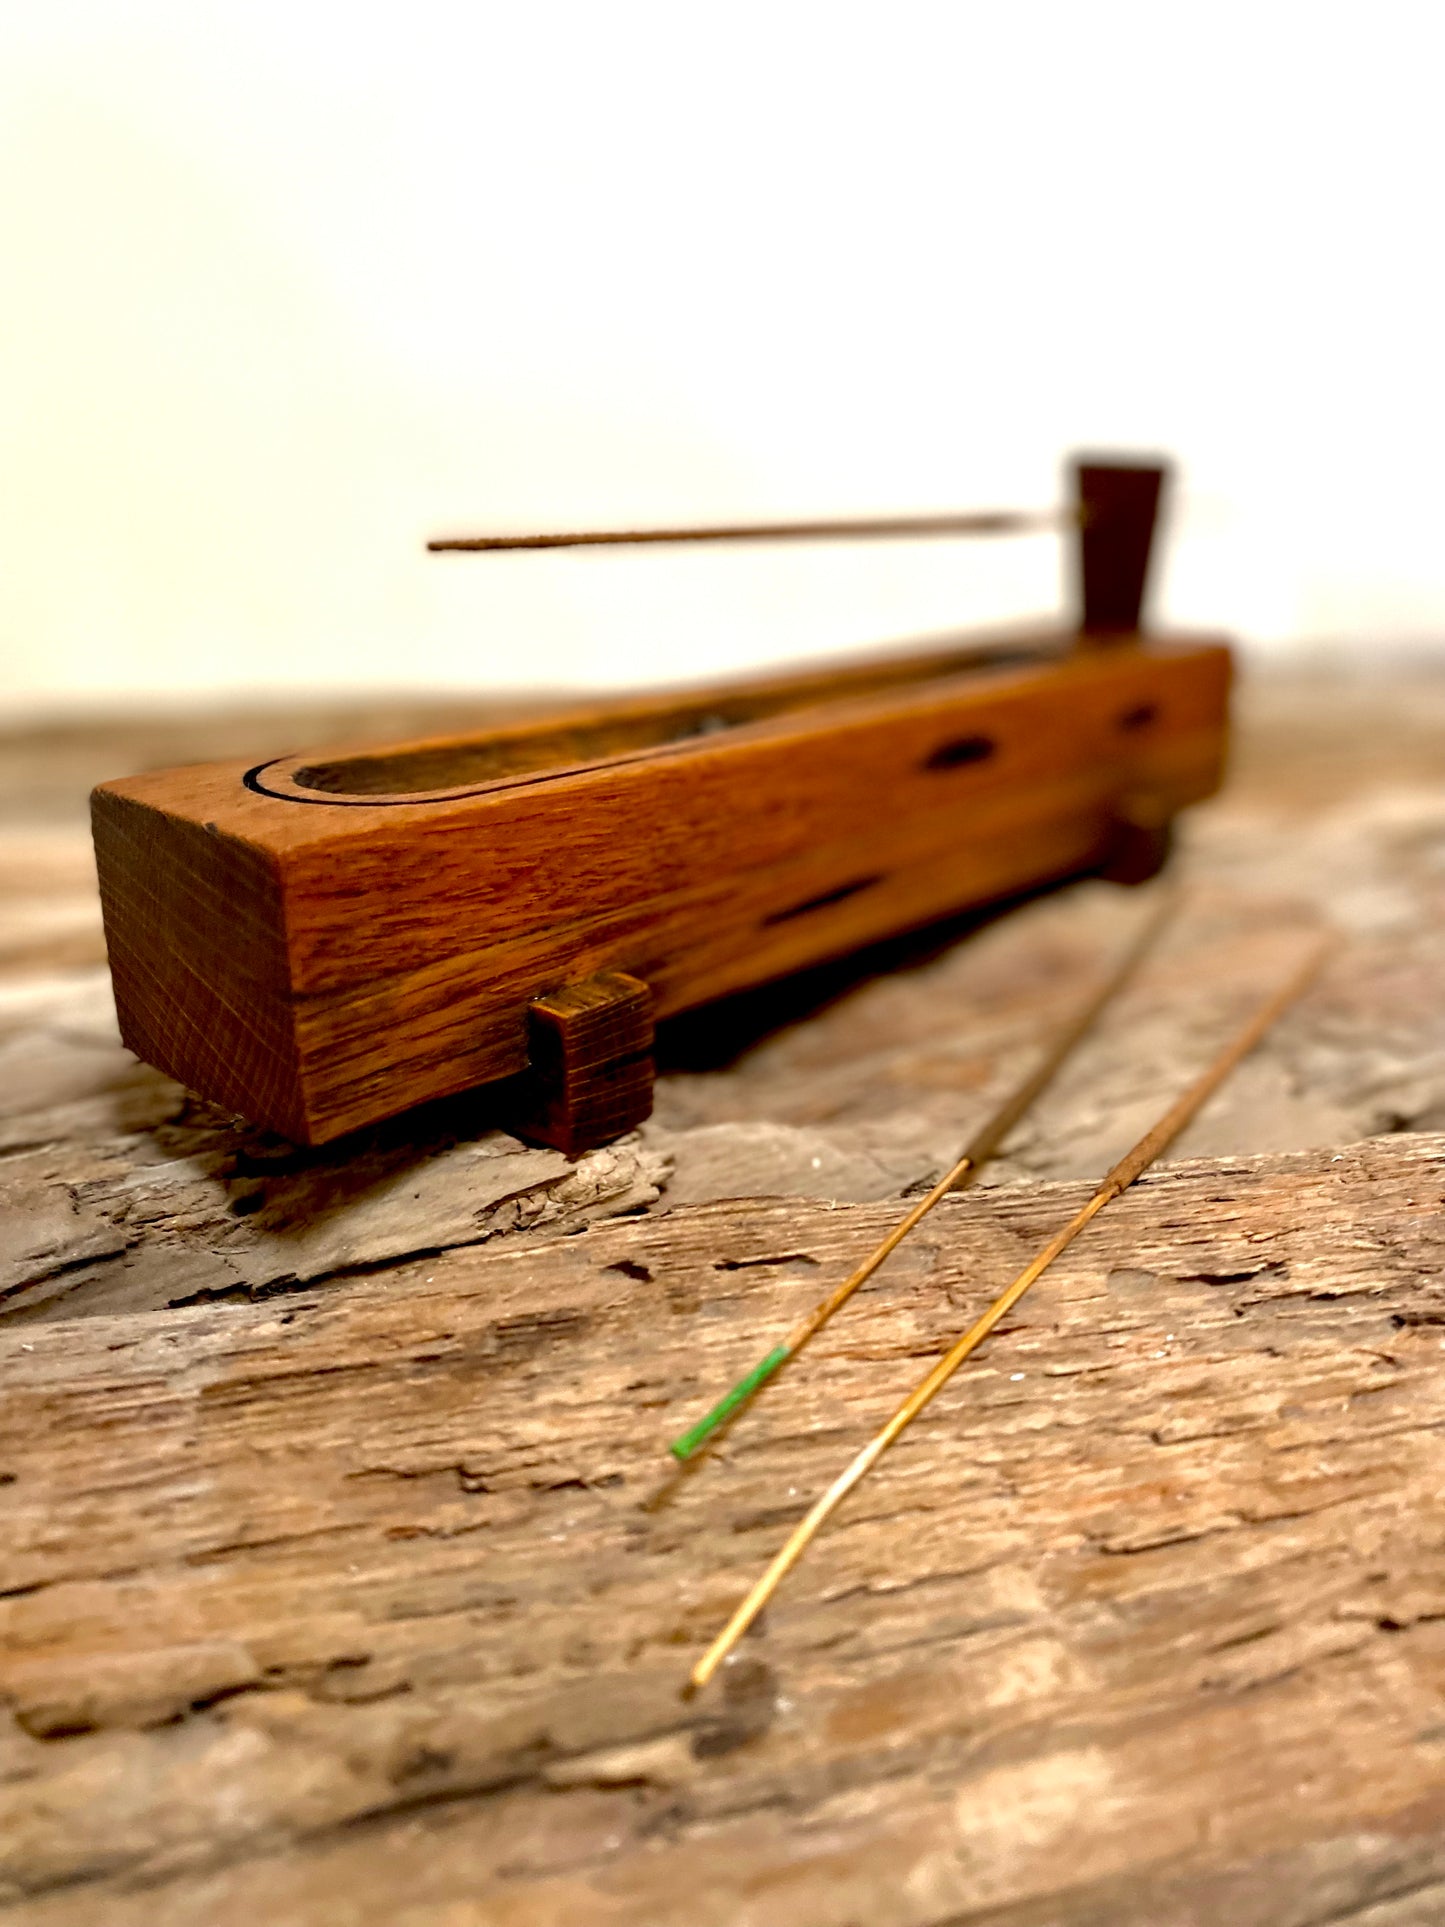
1173, 1546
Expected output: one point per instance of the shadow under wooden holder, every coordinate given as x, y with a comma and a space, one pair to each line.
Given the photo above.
321, 941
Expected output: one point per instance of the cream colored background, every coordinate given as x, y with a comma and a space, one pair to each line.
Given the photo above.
289, 287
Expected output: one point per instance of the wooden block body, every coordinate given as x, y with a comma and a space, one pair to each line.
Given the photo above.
318, 943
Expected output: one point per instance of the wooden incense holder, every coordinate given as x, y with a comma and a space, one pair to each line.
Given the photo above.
321, 941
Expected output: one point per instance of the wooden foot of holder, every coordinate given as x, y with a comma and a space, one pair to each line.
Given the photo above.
589, 1075
1141, 841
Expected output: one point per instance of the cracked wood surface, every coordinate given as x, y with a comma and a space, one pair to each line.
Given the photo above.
344, 1580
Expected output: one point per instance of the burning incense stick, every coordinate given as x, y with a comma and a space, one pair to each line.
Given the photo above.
986, 1143
1151, 1146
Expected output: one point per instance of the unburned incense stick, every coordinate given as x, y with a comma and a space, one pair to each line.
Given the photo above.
985, 522
1133, 1165
987, 1141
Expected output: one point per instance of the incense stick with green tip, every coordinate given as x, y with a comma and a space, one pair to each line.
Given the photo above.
984, 1145
1132, 1166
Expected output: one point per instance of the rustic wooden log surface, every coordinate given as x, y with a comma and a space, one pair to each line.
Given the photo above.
343, 1578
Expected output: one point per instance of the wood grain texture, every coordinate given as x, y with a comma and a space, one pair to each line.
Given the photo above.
318, 961
1108, 1641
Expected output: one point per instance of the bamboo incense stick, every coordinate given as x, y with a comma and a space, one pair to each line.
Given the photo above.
1152, 1145
985, 1144
985, 522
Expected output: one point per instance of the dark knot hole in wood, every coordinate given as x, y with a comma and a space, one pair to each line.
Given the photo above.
961, 751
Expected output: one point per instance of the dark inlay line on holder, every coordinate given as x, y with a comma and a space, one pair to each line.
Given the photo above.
840, 895
961, 751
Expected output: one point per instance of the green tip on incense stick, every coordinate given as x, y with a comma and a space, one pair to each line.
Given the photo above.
984, 1145
684, 1447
